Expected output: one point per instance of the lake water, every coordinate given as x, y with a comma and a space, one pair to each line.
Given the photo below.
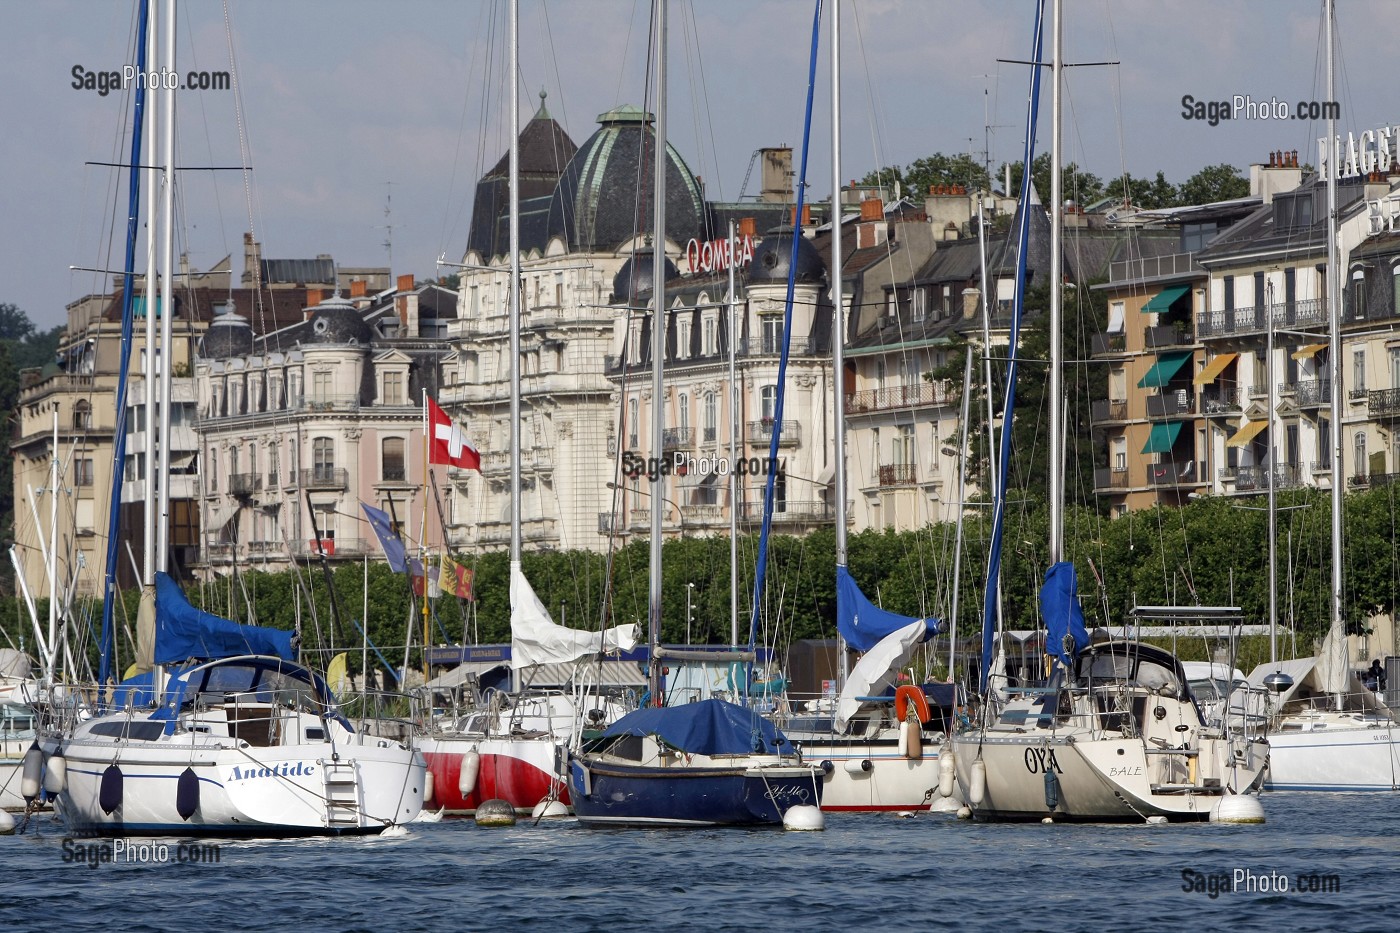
864, 872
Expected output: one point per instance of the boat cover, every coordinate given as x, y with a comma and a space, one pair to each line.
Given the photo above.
184, 632
1059, 607
861, 622
706, 727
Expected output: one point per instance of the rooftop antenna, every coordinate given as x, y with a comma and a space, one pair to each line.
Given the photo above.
388, 224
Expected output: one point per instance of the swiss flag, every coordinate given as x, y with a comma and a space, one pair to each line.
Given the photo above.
447, 442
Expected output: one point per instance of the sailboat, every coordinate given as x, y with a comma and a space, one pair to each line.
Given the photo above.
1114, 732
873, 745
707, 763
224, 734
515, 748
1350, 744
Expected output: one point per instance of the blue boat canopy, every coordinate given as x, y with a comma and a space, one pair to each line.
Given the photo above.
707, 727
861, 622
184, 632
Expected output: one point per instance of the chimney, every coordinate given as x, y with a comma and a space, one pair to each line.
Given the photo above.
777, 175
406, 304
872, 229
1279, 175
806, 214
252, 262
972, 302
357, 288
405, 282
748, 227
314, 296
948, 209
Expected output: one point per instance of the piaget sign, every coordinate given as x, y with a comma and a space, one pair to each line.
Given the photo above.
1370, 151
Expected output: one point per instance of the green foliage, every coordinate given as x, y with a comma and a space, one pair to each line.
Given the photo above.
1214, 183
1148, 195
1078, 186
937, 169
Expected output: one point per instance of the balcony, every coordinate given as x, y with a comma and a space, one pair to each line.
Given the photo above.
1256, 478
789, 512
1256, 319
761, 433
264, 549
896, 397
1110, 479
678, 439
1170, 403
1221, 400
244, 484
1172, 473
610, 523
896, 474
1107, 344
324, 477
1314, 393
1384, 403
1165, 335
1109, 410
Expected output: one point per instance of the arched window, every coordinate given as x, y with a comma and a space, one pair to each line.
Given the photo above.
711, 416
82, 415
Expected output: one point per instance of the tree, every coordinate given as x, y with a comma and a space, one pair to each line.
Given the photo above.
1148, 195
1221, 182
940, 169
1077, 185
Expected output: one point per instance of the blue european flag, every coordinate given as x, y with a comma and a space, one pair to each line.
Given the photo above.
388, 538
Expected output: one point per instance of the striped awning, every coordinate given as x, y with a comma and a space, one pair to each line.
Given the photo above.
1247, 433
1214, 368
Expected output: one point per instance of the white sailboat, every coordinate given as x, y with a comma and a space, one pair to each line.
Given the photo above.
1114, 734
516, 749
1327, 732
225, 734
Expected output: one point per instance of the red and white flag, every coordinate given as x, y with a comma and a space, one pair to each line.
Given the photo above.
447, 442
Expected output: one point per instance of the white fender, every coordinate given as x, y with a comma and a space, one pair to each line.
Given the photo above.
30, 771
56, 775
466, 778
428, 787
947, 773
978, 791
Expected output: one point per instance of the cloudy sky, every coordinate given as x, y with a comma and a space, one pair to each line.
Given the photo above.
347, 105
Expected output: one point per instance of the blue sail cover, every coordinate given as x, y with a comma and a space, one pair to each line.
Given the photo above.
184, 632
1059, 607
862, 623
707, 727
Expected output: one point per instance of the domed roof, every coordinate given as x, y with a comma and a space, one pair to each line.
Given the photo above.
774, 255
599, 203
635, 281
336, 320
229, 335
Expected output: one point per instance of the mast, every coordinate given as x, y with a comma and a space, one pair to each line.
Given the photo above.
1334, 342
658, 349
1057, 384
733, 458
162, 361
154, 262
514, 202
838, 298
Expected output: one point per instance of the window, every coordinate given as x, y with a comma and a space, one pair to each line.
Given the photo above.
769, 399
233, 461
393, 388
772, 335
1324, 444
82, 416
1358, 370
213, 470
82, 471
903, 447
711, 417
1359, 453
392, 460
1120, 454
321, 386
253, 458
682, 339
1229, 285
1358, 293
683, 415
711, 336
632, 426
293, 462
879, 374
1395, 367
1395, 290
322, 458
559, 289
920, 304
274, 467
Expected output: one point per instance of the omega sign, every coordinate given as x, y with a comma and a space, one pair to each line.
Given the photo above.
713, 256
1371, 151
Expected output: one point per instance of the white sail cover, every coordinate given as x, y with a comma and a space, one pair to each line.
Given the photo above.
877, 669
536, 639
1333, 672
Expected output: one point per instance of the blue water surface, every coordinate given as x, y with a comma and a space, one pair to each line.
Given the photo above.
864, 872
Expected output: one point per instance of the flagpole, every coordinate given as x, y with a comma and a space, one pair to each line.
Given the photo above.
423, 535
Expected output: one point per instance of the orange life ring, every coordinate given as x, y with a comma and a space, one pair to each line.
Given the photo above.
903, 696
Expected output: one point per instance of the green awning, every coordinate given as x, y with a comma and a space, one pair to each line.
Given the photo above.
1163, 436
1166, 366
1164, 299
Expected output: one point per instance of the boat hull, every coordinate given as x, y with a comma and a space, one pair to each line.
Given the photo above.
518, 771
1347, 755
618, 794
872, 776
263, 792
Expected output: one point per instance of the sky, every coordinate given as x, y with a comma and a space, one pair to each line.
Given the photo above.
366, 124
